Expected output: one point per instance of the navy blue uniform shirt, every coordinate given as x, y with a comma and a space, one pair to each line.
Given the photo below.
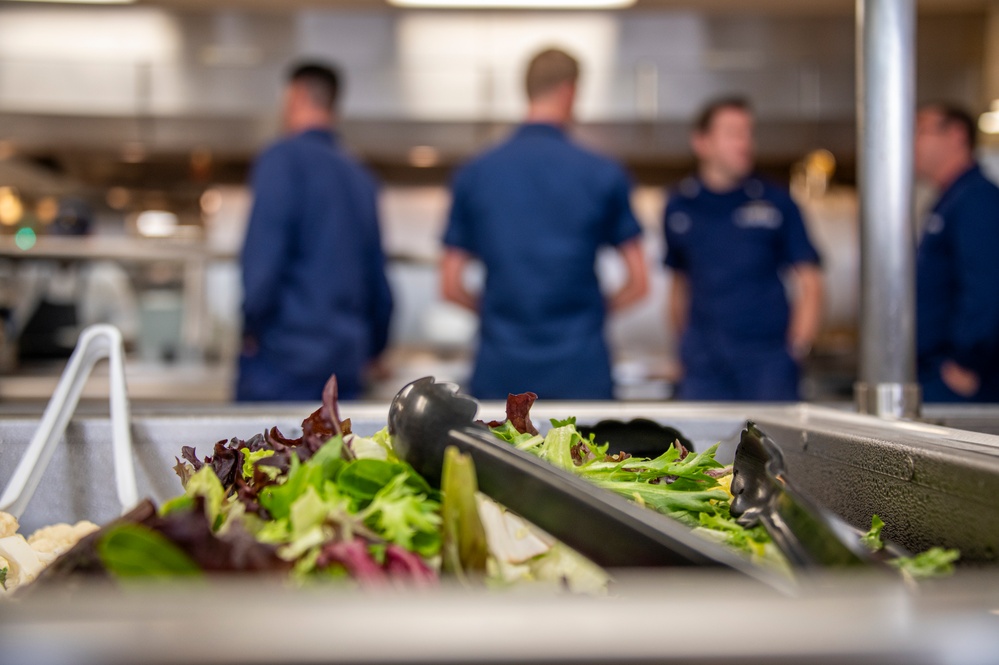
535, 210
957, 287
733, 248
316, 299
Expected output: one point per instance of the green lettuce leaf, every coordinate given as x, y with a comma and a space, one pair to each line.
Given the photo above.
934, 562
557, 446
407, 518
252, 457
134, 550
203, 483
364, 478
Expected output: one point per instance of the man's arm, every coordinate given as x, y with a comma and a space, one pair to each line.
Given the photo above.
268, 238
452, 270
678, 307
806, 312
975, 325
382, 302
636, 284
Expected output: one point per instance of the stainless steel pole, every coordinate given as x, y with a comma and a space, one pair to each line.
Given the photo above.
885, 116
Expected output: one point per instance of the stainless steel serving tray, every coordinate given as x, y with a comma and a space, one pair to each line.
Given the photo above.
933, 485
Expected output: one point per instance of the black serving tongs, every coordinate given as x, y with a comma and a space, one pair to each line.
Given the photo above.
426, 417
806, 533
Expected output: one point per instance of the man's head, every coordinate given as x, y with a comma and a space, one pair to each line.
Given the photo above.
946, 135
551, 85
723, 139
311, 96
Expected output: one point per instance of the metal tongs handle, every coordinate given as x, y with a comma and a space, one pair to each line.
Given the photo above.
95, 343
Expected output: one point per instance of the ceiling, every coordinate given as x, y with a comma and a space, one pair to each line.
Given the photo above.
59, 153
791, 7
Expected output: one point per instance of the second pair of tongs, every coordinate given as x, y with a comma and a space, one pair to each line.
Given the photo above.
808, 535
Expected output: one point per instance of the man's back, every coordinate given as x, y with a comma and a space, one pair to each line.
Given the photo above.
535, 210
316, 298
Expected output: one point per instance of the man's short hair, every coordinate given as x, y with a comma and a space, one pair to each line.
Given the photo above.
702, 124
550, 69
955, 115
320, 81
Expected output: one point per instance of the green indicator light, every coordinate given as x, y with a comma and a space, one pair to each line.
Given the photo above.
25, 239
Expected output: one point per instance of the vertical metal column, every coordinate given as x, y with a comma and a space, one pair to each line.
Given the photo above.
885, 118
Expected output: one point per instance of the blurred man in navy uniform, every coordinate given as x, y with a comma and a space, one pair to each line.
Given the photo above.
731, 239
535, 210
957, 265
316, 298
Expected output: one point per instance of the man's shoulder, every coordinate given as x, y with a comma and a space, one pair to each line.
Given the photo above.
594, 160
278, 150
300, 148
984, 187
761, 187
684, 193
979, 200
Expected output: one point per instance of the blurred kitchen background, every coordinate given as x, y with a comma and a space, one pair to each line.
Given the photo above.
146, 117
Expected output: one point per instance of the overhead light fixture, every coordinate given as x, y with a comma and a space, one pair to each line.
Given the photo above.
156, 223
80, 2
11, 207
211, 201
513, 4
988, 122
47, 209
424, 156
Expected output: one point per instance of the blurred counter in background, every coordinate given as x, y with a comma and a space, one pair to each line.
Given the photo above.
185, 382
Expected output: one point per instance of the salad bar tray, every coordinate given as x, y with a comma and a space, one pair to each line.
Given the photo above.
932, 486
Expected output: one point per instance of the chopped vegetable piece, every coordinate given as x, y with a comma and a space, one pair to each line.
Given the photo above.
872, 539
464, 547
934, 562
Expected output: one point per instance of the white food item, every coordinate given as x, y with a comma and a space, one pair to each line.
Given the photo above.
523, 552
23, 562
365, 448
24, 558
58, 538
8, 524
510, 539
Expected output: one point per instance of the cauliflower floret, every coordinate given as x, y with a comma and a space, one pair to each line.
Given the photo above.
8, 525
23, 562
58, 538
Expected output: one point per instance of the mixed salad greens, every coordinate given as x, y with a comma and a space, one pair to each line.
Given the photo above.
334, 505
690, 487
327, 505
693, 488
